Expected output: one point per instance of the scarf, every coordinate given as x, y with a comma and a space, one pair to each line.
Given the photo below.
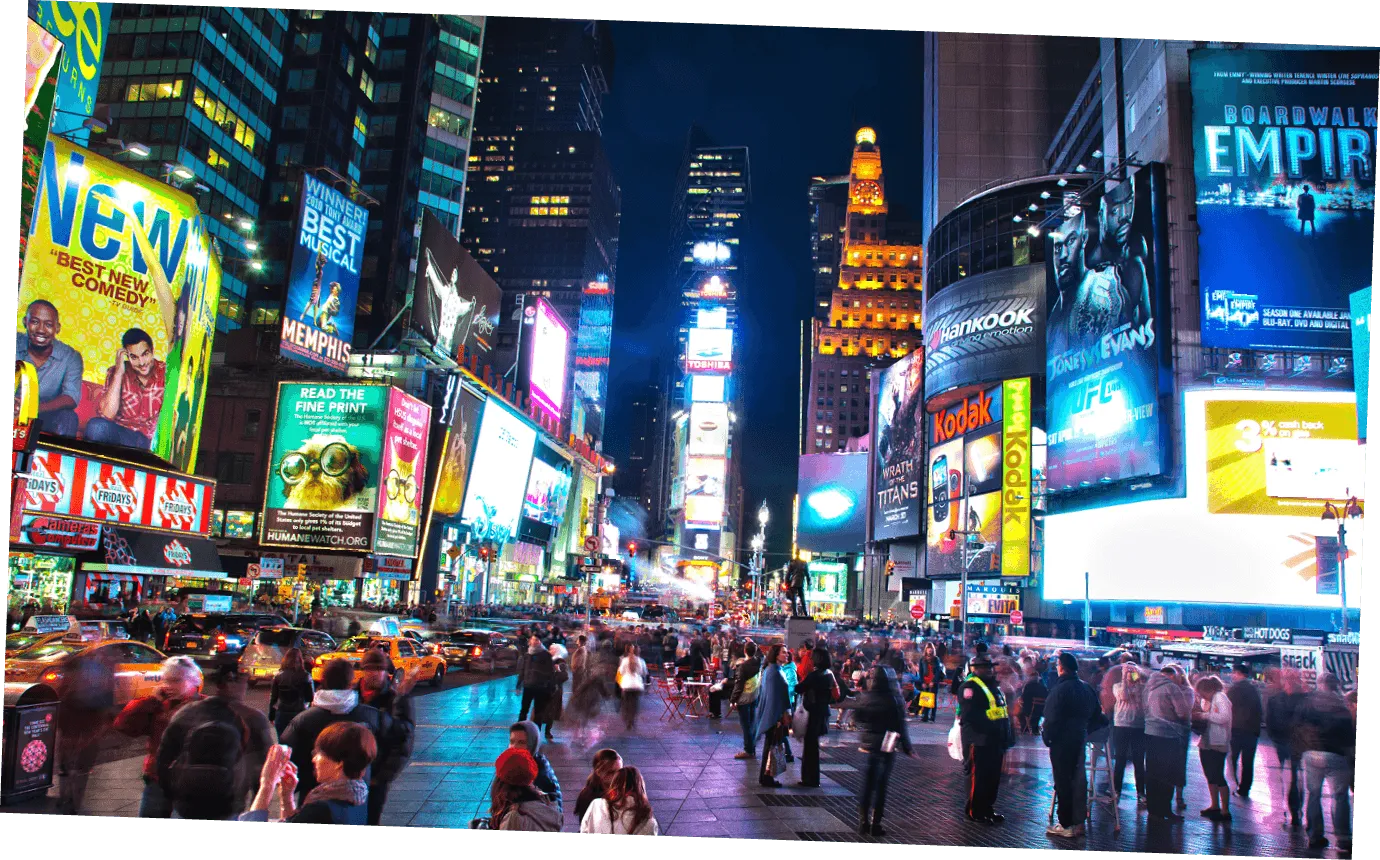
352, 791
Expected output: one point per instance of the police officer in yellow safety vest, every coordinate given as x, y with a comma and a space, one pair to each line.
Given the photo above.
987, 735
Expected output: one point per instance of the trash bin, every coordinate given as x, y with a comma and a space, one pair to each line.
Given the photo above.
30, 736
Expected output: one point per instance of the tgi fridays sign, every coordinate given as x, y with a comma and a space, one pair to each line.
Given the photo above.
67, 484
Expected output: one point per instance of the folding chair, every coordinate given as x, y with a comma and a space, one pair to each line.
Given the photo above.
672, 699
1099, 762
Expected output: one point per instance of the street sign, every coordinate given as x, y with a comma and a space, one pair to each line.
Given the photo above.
917, 608
592, 544
454, 552
1017, 617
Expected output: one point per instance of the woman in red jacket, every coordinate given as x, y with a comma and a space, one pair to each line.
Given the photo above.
148, 716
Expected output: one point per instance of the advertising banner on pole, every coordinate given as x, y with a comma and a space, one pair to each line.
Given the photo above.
323, 283
40, 85
325, 466
1015, 483
117, 305
897, 430
403, 475
1284, 147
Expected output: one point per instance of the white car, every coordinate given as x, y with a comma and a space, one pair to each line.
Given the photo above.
631, 615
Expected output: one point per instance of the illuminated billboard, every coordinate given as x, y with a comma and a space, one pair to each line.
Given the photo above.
550, 350
708, 430
84, 29
1360, 352
498, 476
712, 317
460, 428
705, 476
707, 389
548, 492
828, 581
709, 349
1264, 560
1281, 456
118, 297
989, 329
455, 303
706, 512
833, 502
1106, 333
323, 283
709, 253
403, 475
896, 449
714, 288
1284, 163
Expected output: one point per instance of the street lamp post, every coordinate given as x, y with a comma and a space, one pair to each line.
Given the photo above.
759, 542
1352, 509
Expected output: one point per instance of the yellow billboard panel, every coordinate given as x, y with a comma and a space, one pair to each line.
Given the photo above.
117, 305
1281, 456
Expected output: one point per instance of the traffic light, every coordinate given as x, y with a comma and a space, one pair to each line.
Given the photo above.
632, 547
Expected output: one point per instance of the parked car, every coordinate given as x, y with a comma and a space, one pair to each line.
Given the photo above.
264, 654
216, 637
138, 668
406, 656
479, 649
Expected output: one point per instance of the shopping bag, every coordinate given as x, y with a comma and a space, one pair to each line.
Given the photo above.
800, 720
927, 699
956, 742
889, 741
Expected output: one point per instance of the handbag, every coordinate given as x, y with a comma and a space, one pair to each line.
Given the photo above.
927, 699
800, 720
889, 742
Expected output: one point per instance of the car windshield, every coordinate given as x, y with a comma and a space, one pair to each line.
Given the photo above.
51, 651
359, 644
279, 637
19, 641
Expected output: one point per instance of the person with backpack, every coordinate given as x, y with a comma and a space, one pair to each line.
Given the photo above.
624, 808
291, 691
818, 690
217, 717
632, 681
1070, 711
746, 684
516, 803
148, 717
335, 701
882, 713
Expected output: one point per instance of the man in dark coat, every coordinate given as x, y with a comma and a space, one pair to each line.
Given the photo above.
376, 690
1281, 723
1070, 706
538, 678
334, 701
986, 736
1247, 714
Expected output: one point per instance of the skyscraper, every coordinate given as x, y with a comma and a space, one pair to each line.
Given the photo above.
709, 222
543, 207
199, 87
874, 304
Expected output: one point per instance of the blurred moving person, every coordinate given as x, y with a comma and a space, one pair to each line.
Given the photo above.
1327, 737
291, 691
148, 717
882, 713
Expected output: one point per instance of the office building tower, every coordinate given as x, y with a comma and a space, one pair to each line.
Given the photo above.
198, 87
874, 309
542, 207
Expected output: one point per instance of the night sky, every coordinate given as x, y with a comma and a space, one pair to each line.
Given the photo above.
795, 97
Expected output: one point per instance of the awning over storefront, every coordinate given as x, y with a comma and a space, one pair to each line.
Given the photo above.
145, 553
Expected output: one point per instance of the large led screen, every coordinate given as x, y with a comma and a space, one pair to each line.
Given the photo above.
1284, 163
1360, 356
709, 349
896, 449
708, 430
1198, 557
1105, 333
403, 475
707, 389
833, 502
548, 492
498, 476
964, 486
550, 354
828, 580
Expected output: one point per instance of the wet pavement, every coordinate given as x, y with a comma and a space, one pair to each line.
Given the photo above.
697, 788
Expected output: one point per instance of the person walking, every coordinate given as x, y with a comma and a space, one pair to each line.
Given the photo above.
1327, 738
818, 690
624, 808
550, 713
376, 690
1128, 729
986, 734
931, 675
882, 713
537, 674
1212, 713
86, 705
1281, 724
632, 682
579, 664
1247, 716
606, 763
148, 717
773, 715
747, 686
335, 701
516, 803
1071, 710
291, 691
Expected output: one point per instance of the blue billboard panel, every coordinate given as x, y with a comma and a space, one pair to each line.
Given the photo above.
1360, 356
1106, 336
84, 30
1284, 161
833, 502
323, 285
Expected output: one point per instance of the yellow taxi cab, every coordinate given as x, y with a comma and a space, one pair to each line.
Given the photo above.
138, 667
407, 656
16, 642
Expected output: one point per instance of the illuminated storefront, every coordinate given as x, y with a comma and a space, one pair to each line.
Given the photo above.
42, 579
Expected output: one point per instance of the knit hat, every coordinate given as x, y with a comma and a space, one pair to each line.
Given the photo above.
374, 660
516, 767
